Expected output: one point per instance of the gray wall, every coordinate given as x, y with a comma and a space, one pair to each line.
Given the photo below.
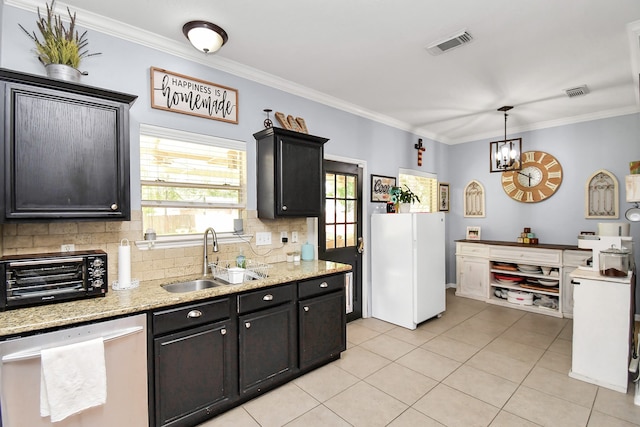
581, 148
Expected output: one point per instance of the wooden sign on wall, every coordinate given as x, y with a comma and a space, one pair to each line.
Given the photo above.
187, 95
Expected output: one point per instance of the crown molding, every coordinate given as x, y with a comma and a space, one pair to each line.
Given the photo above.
550, 124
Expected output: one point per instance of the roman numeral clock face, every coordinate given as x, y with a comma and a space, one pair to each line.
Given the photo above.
539, 178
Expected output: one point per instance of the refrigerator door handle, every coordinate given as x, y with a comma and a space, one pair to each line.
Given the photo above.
360, 245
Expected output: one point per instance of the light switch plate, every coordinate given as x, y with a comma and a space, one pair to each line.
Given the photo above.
263, 238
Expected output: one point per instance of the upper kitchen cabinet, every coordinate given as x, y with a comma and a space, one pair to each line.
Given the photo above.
65, 151
290, 181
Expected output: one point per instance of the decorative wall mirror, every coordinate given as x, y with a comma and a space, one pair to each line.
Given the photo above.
601, 195
474, 200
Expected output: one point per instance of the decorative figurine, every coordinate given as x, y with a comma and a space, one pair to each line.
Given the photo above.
267, 122
420, 149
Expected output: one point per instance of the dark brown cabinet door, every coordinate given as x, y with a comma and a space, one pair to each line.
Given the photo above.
267, 348
322, 328
195, 374
66, 150
290, 179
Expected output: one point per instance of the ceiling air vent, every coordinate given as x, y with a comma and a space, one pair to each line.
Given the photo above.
445, 45
577, 91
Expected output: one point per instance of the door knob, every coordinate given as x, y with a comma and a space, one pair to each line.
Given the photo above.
360, 245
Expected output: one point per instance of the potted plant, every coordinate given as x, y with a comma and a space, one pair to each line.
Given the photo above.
403, 198
59, 48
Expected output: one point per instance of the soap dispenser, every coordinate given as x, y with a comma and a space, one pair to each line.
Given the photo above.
241, 261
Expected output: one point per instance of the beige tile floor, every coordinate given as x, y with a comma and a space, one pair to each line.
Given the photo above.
478, 365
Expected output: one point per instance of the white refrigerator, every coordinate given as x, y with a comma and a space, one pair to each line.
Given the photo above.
407, 267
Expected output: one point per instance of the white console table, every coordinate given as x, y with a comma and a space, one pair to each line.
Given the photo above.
478, 262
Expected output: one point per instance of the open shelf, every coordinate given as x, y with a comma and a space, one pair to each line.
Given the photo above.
530, 308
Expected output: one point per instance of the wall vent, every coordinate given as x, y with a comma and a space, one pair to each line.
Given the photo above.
451, 42
577, 91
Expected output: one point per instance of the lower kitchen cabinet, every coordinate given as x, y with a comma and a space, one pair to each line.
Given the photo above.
527, 277
208, 357
322, 320
194, 363
267, 342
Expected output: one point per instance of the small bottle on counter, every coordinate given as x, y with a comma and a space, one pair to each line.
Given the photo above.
241, 261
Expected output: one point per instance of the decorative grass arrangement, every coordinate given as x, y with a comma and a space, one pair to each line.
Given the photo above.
58, 44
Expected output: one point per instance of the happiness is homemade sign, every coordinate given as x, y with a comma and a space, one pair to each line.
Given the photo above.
187, 95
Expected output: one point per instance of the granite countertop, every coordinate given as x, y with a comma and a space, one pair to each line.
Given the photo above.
148, 296
525, 245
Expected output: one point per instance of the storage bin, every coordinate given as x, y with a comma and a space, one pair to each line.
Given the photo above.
236, 275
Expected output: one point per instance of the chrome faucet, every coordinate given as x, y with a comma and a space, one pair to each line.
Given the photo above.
206, 252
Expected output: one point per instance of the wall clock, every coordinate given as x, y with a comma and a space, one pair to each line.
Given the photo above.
539, 178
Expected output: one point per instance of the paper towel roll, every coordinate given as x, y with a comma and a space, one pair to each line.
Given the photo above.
124, 263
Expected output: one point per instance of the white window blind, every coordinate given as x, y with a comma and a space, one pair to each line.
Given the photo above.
190, 181
425, 185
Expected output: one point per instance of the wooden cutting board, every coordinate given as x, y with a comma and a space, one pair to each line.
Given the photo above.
540, 287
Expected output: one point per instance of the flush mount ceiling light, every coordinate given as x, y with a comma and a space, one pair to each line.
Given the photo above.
505, 155
205, 36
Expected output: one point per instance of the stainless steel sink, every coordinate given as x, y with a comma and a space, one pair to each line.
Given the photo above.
194, 285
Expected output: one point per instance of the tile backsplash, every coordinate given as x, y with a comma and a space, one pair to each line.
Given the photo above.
157, 265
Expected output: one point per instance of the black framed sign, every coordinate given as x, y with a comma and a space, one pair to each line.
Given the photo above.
443, 197
380, 186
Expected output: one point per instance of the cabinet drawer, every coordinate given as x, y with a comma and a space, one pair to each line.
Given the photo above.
263, 298
321, 285
192, 315
575, 258
472, 249
535, 256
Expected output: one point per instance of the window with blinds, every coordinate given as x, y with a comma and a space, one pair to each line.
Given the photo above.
190, 181
425, 185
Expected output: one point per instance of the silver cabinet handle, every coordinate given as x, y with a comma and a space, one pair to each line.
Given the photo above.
223, 331
306, 308
324, 285
247, 325
284, 208
267, 297
194, 314
114, 207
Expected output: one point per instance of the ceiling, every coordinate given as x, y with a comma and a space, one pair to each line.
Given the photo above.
369, 56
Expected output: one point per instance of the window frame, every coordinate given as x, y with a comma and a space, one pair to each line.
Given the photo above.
192, 239
433, 201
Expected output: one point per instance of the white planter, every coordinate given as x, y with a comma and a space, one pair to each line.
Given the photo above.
405, 207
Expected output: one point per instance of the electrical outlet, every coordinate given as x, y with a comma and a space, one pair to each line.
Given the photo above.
263, 238
68, 247
283, 237
294, 237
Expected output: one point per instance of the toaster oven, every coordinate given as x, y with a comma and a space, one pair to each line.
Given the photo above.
52, 277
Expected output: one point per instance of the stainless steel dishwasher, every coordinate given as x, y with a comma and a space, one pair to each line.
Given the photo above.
125, 349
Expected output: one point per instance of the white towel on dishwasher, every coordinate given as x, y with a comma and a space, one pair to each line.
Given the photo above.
73, 379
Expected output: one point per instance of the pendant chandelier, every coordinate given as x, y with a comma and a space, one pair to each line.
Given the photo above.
505, 155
